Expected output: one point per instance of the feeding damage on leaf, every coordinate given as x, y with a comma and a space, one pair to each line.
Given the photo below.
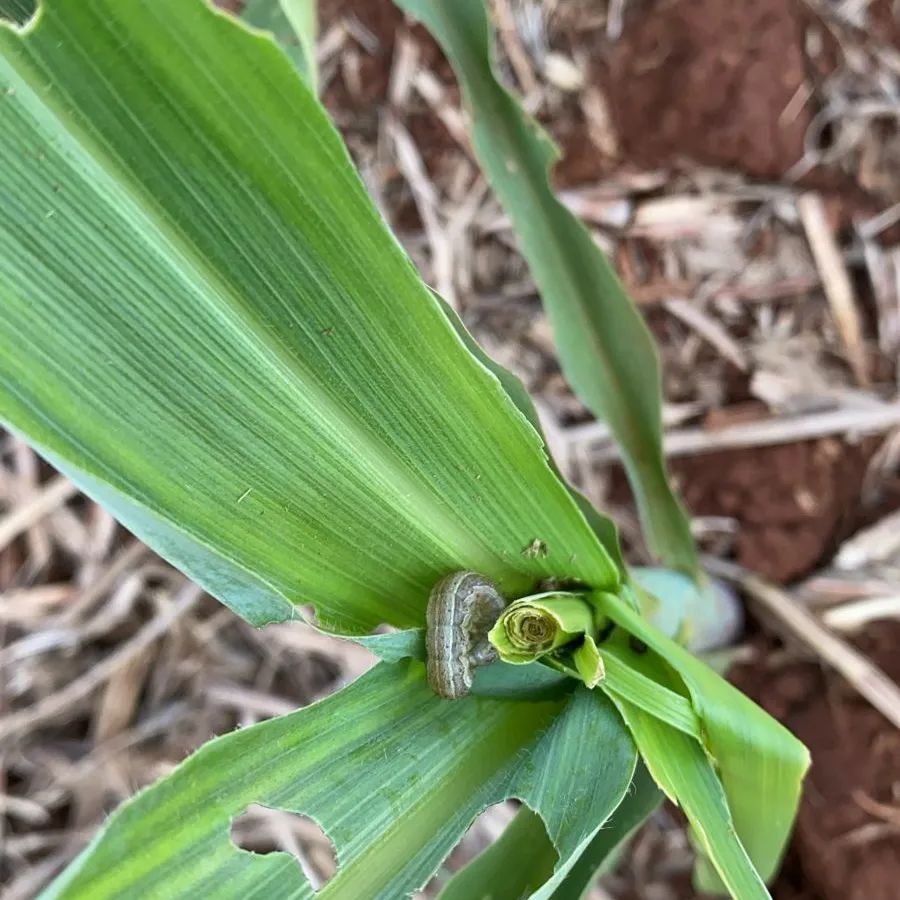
537, 549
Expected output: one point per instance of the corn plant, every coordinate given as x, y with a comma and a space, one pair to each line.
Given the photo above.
207, 326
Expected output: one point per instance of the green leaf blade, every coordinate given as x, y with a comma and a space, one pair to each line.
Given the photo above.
17, 11
205, 317
622, 680
640, 802
760, 764
602, 526
606, 351
421, 767
528, 859
681, 768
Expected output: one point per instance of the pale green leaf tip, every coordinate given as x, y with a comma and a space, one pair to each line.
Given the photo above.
589, 662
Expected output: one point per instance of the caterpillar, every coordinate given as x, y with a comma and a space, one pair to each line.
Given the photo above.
462, 608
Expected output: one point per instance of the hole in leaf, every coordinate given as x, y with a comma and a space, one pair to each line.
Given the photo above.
18, 12
262, 830
486, 829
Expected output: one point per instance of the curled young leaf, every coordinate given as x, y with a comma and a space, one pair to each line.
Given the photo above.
535, 627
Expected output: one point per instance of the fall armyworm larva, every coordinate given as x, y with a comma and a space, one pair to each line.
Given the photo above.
461, 610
